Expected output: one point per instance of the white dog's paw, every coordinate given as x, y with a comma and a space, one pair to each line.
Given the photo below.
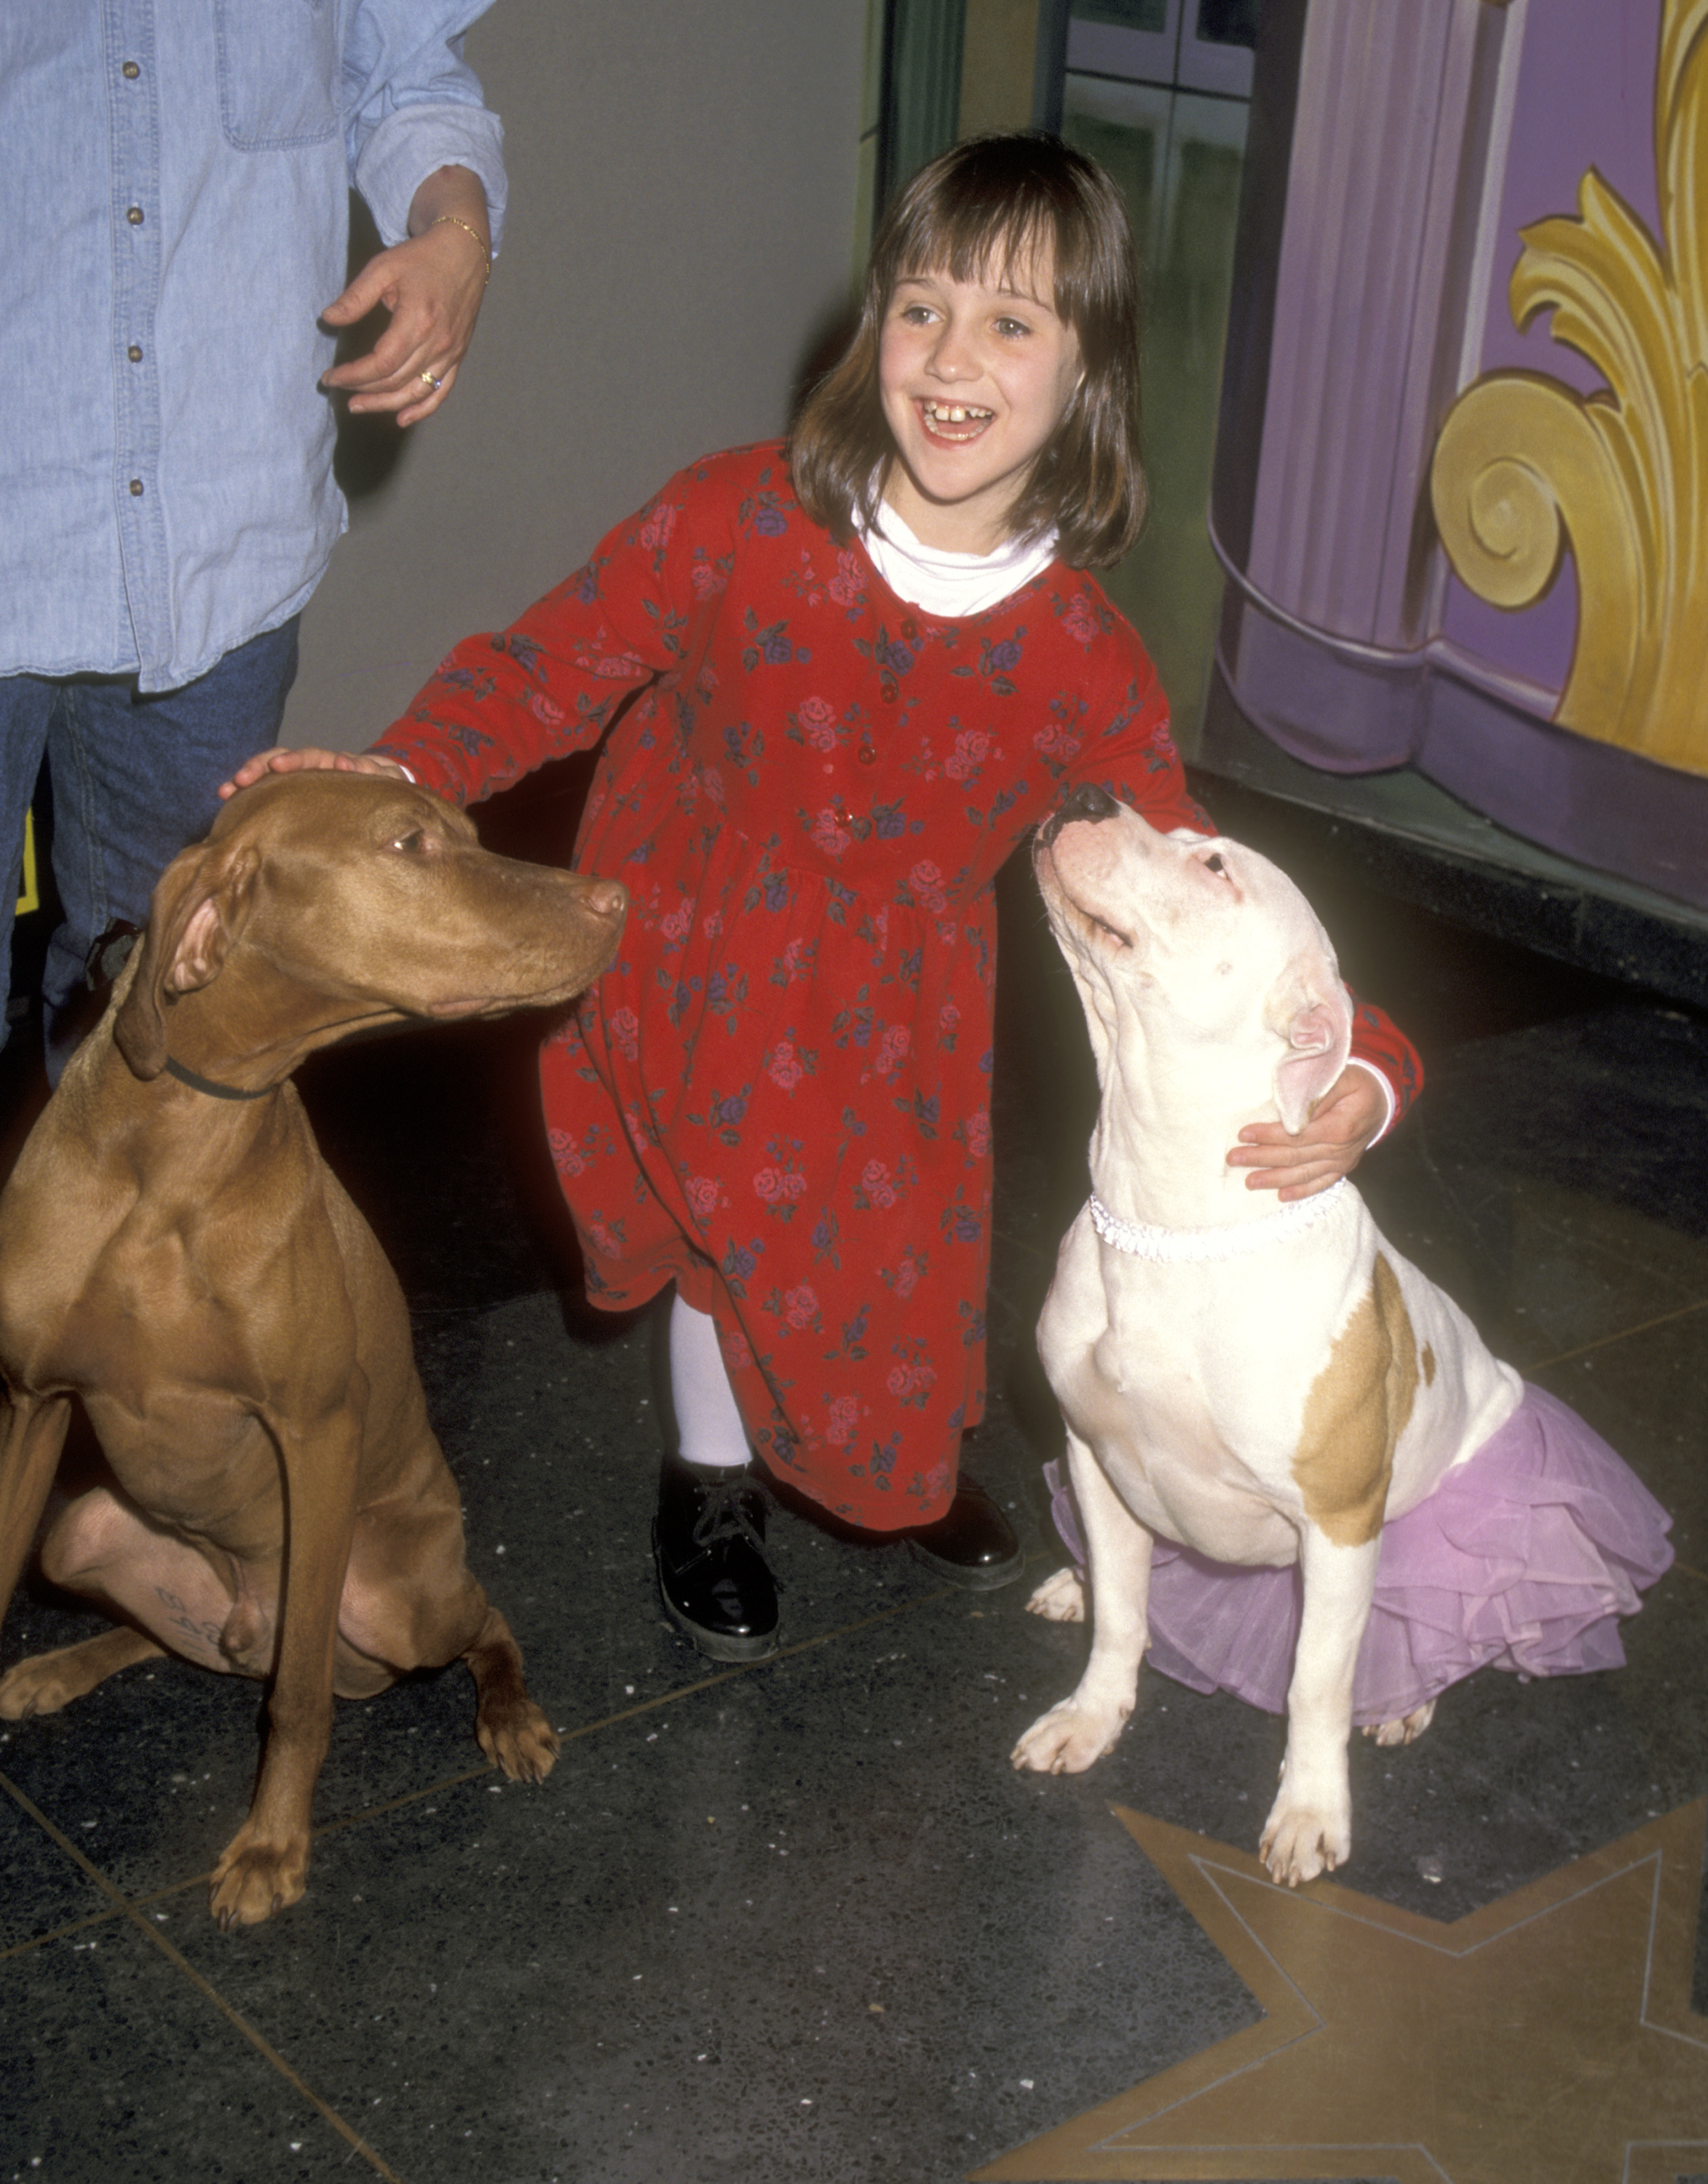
1407, 1729
1059, 1599
1069, 1739
1300, 1841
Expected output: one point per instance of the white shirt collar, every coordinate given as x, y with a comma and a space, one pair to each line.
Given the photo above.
945, 583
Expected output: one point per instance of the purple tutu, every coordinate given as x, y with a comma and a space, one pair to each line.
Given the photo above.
1524, 1557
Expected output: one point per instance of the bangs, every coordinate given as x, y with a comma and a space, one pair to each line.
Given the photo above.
993, 210
994, 245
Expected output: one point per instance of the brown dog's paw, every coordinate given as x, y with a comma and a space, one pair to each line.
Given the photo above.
254, 1879
48, 1681
38, 1687
518, 1738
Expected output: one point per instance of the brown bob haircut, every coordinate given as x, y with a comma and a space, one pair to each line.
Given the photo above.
986, 209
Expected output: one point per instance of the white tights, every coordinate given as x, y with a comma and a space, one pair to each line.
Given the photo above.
708, 1426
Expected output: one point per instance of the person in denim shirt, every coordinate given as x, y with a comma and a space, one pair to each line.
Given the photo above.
177, 179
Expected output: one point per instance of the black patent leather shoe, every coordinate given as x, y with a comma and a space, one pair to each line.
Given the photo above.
708, 1546
972, 1543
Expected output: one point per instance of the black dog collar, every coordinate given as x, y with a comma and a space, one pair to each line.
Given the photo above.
207, 1084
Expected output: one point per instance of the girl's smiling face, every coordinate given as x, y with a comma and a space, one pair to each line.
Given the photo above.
975, 376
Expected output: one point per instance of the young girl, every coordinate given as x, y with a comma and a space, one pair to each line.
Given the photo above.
862, 668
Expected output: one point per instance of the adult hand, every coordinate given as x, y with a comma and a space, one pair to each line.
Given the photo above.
1341, 1124
433, 285
309, 758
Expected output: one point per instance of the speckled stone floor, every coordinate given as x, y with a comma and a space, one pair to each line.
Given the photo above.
800, 1920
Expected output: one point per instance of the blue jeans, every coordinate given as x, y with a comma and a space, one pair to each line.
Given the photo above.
135, 776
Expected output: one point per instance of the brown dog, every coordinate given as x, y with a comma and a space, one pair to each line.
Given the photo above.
175, 1253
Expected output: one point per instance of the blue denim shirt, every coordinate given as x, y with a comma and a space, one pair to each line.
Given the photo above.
176, 211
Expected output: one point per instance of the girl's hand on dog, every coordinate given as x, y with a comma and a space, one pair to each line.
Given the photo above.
1349, 1116
309, 760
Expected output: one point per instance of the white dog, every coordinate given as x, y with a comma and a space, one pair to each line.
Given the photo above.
1264, 1383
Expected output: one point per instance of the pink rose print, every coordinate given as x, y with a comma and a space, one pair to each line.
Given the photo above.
1079, 623
566, 1156
606, 1239
828, 836
875, 1181
549, 715
779, 1186
733, 1344
892, 1049
846, 586
624, 1027
707, 580
906, 1380
800, 1307
845, 1421
784, 1068
612, 665
926, 882
660, 522
818, 720
1055, 741
971, 748
907, 1276
948, 1020
934, 1482
675, 926
978, 1132
703, 1196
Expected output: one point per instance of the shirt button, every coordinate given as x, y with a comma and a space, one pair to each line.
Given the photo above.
135, 488
134, 354
910, 629
135, 216
132, 71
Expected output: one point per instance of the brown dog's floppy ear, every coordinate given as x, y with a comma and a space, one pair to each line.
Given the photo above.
1312, 1010
191, 920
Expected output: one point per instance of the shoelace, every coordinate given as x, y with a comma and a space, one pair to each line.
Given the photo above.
726, 1514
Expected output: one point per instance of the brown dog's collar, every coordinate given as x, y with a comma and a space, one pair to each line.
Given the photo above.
207, 1084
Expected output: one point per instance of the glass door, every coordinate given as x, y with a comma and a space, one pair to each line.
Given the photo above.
1139, 98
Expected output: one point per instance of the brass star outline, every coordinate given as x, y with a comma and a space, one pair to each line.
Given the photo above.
1475, 2052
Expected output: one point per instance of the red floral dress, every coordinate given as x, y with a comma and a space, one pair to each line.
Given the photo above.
778, 1095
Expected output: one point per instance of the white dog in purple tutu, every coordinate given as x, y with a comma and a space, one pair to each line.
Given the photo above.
1271, 1389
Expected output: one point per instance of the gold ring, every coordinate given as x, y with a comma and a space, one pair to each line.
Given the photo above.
434, 383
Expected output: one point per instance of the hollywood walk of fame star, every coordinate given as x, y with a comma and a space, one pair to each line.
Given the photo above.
1546, 2039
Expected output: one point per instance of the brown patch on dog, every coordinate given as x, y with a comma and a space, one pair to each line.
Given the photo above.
1355, 1412
1428, 1361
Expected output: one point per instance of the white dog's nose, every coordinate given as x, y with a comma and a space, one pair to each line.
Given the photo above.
1088, 802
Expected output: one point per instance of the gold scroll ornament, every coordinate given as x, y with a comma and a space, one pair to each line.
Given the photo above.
1526, 469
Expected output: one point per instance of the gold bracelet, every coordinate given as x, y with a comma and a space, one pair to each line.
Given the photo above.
468, 231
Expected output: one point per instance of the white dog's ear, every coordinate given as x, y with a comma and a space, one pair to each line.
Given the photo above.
1312, 1010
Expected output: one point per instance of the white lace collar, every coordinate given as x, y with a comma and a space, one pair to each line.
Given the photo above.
1140, 1240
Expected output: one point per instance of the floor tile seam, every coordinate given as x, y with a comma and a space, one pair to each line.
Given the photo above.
14, 1949
1620, 1335
122, 1907
642, 1708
